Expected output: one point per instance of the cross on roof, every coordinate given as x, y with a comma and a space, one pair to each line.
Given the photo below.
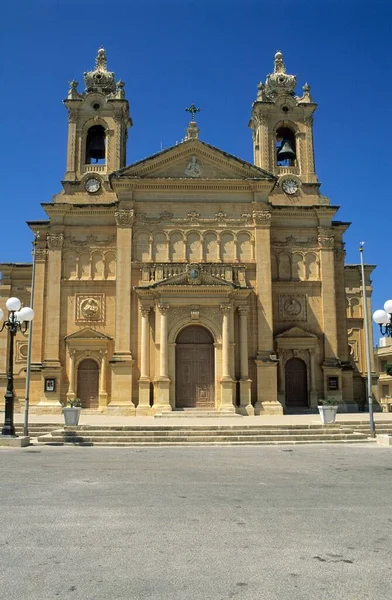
192, 109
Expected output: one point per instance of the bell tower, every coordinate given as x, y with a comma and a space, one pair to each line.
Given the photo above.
282, 126
98, 121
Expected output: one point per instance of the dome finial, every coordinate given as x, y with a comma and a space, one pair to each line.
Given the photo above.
100, 79
279, 63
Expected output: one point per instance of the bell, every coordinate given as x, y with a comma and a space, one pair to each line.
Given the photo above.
286, 152
96, 147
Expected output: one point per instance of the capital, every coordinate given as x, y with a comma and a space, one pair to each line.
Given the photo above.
55, 241
325, 237
262, 217
163, 309
144, 311
124, 218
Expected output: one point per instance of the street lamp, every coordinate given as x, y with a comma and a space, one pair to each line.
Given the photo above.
383, 318
18, 319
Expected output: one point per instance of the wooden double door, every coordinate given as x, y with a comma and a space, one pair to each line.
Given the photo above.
195, 368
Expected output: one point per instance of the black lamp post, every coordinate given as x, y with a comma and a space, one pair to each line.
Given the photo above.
383, 318
18, 319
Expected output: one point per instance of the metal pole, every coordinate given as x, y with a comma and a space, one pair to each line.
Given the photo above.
9, 427
367, 344
29, 343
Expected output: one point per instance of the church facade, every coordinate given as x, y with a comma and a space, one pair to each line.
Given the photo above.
190, 279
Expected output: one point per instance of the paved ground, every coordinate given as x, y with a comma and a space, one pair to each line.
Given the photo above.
266, 523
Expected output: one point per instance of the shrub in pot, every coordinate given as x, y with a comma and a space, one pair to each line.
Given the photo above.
328, 409
71, 411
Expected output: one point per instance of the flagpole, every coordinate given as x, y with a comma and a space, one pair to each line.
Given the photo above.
29, 342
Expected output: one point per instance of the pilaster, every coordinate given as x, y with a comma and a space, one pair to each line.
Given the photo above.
122, 361
51, 367
245, 407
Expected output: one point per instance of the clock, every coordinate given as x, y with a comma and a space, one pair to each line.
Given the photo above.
92, 185
290, 186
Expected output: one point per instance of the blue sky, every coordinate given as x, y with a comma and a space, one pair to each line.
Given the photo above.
213, 53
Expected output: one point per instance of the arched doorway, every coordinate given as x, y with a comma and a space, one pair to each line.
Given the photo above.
87, 389
195, 368
296, 384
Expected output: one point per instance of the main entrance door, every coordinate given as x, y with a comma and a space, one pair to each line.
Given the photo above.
194, 368
296, 384
88, 383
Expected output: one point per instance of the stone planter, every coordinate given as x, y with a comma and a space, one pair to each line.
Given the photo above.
71, 416
328, 413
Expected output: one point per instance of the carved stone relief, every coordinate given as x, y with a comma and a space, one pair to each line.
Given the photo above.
90, 308
292, 307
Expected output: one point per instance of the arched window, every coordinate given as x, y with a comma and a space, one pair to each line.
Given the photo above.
95, 145
285, 147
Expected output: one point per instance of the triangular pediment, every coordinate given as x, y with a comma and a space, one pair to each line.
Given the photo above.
296, 332
193, 159
87, 334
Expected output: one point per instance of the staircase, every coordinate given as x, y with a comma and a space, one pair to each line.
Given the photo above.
38, 429
217, 435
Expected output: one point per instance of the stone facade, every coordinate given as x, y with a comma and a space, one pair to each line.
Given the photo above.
248, 257
383, 360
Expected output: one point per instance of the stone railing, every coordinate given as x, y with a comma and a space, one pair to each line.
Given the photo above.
94, 168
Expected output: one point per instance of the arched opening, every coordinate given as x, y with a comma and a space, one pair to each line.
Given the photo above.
296, 384
195, 368
87, 388
285, 147
95, 145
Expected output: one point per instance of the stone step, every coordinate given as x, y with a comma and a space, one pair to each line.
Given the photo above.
75, 439
191, 413
184, 427
116, 444
200, 432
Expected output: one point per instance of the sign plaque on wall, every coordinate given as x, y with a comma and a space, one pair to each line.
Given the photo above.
333, 383
50, 384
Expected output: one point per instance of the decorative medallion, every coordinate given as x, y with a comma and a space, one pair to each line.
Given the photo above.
194, 274
90, 308
293, 307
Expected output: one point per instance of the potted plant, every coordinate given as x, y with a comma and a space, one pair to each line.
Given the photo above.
71, 411
328, 409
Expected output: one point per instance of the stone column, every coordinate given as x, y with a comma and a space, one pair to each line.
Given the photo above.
143, 408
122, 361
51, 367
227, 383
103, 396
71, 374
246, 407
313, 389
162, 398
267, 392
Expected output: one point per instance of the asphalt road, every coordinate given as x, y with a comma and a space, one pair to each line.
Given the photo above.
308, 523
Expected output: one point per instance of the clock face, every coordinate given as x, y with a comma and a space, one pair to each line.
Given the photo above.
290, 186
92, 185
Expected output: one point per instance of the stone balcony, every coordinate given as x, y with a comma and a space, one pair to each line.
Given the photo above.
161, 271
